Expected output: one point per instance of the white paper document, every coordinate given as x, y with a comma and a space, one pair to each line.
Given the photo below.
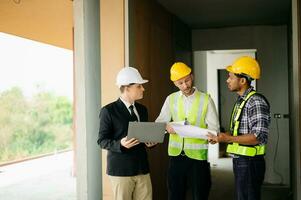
190, 131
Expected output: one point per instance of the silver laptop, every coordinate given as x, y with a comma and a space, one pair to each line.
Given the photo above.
147, 131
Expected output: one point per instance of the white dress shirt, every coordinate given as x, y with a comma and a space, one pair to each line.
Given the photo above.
211, 118
127, 104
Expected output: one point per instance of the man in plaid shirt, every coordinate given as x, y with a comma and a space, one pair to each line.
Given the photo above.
249, 129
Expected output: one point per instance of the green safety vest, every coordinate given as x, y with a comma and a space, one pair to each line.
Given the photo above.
194, 148
236, 148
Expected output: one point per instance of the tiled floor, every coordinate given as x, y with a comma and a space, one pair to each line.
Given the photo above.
222, 179
223, 183
50, 178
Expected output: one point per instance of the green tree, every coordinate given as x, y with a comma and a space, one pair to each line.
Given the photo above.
33, 126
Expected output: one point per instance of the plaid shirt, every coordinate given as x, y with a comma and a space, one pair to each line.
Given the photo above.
255, 117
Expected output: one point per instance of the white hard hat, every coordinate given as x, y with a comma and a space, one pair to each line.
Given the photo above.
129, 75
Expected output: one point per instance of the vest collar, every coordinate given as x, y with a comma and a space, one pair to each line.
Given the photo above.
192, 95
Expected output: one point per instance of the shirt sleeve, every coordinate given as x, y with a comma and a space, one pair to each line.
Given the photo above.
165, 114
259, 119
105, 140
212, 119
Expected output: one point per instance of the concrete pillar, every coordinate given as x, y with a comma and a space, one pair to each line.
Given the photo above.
87, 95
295, 102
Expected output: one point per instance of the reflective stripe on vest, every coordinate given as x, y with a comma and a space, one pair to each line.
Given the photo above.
193, 148
236, 148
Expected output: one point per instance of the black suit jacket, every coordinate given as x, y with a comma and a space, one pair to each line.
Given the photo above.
114, 121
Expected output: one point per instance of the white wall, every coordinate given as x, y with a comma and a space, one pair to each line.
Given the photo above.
200, 70
206, 66
272, 53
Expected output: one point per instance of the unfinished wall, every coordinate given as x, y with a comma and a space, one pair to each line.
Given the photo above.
272, 53
112, 60
112, 47
151, 51
182, 42
49, 22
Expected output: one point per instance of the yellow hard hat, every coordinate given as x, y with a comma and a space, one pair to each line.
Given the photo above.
179, 70
245, 65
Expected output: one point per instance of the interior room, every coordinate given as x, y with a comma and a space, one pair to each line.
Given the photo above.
202, 34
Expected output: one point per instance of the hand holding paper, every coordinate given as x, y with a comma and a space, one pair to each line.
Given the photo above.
190, 131
212, 139
169, 129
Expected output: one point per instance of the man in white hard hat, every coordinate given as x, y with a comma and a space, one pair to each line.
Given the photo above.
127, 164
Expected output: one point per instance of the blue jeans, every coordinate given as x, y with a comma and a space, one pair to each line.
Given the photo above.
249, 175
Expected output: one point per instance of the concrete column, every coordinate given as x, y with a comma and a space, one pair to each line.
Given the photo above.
87, 95
295, 102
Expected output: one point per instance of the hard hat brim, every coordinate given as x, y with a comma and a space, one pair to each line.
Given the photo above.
143, 81
230, 69
137, 82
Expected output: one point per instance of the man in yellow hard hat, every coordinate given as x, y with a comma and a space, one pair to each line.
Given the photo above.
188, 163
249, 129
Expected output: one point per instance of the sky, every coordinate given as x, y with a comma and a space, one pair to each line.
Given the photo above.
35, 66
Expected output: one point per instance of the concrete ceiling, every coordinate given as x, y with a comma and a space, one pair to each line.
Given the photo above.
223, 13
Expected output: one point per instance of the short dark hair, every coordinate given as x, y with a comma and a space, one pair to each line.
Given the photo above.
122, 88
247, 77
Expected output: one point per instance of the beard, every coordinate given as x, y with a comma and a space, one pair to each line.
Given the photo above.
188, 91
233, 89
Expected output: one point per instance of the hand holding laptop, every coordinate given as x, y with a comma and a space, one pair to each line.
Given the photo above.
129, 143
147, 132
150, 144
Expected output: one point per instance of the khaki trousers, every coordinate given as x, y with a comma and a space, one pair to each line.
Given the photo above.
132, 187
